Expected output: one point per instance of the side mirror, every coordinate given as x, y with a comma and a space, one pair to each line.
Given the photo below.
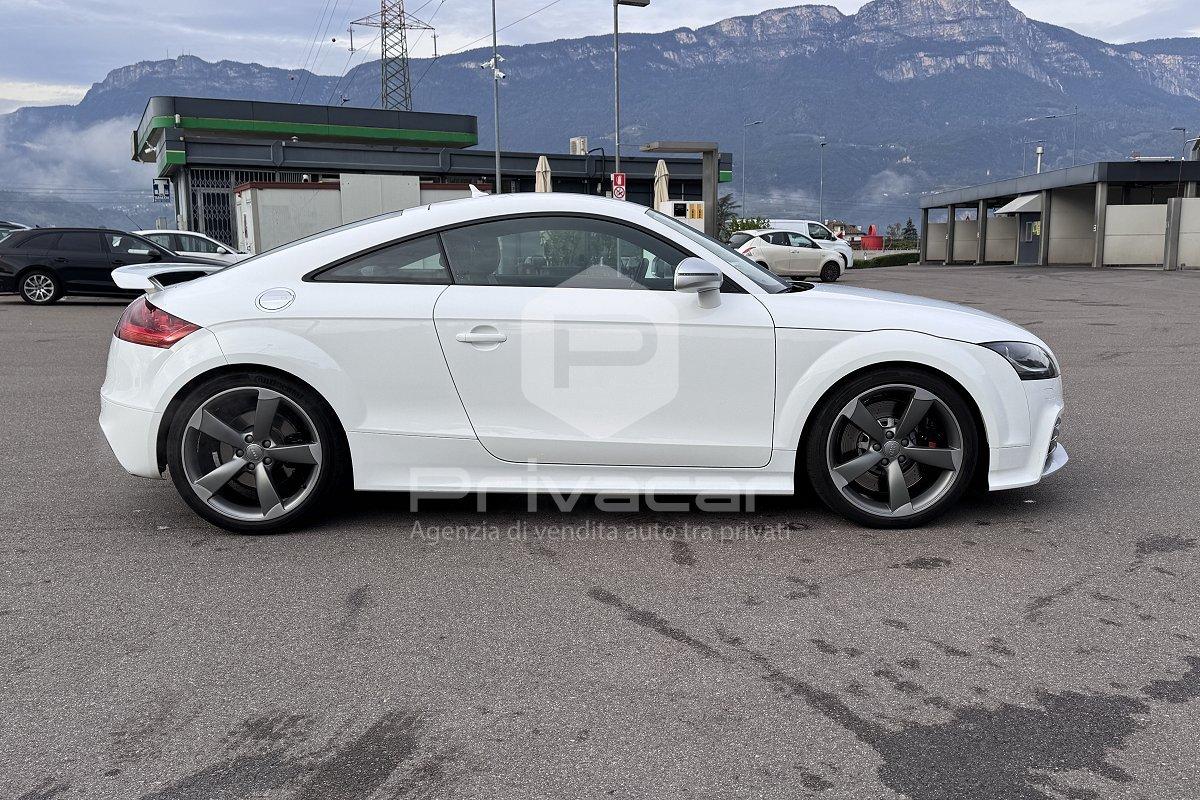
698, 276
222, 251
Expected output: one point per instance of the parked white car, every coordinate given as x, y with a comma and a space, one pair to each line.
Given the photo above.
561, 343
190, 243
819, 233
790, 254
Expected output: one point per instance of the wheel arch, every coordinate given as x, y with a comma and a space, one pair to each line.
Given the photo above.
976, 414
814, 363
164, 426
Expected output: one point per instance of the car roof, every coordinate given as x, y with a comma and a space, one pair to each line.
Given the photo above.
761, 231
171, 230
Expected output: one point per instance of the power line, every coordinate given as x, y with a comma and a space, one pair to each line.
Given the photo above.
308, 51
483, 38
317, 55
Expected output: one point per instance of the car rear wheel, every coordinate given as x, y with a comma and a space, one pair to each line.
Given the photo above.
254, 453
40, 287
892, 449
830, 272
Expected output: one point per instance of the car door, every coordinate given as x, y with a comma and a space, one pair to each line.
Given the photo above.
777, 253
568, 345
807, 256
81, 262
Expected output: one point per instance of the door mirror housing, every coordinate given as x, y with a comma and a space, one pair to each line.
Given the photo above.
697, 276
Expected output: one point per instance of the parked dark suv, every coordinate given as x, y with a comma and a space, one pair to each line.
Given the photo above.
43, 264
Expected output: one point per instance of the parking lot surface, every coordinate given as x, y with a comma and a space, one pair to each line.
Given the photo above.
1040, 643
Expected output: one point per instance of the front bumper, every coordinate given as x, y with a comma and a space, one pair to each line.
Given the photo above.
132, 434
1015, 467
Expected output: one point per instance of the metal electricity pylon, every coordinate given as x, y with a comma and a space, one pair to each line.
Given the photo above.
394, 23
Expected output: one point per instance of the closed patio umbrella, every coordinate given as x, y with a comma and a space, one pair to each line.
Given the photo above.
543, 175
661, 178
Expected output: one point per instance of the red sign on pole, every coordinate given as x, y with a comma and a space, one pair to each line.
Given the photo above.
618, 182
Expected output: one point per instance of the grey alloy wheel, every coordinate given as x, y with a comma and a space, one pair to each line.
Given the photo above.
830, 272
251, 454
895, 450
39, 288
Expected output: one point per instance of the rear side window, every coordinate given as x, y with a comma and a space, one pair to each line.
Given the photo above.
416, 261
739, 239
38, 241
79, 242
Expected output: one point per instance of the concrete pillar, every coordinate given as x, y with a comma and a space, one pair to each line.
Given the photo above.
950, 236
923, 245
1044, 255
981, 231
1189, 189
1101, 222
712, 177
1174, 221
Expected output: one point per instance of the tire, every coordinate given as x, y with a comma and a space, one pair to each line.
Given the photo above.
256, 453
830, 272
40, 287
917, 462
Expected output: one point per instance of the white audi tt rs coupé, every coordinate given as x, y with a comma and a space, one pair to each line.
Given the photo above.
568, 344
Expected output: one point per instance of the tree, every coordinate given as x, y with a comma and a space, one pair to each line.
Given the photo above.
910, 232
727, 210
895, 230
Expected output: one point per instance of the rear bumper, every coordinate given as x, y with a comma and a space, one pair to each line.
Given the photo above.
132, 434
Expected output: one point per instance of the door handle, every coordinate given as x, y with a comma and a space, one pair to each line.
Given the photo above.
60, 260
482, 335
118, 262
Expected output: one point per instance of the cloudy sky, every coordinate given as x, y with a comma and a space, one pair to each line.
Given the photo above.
54, 49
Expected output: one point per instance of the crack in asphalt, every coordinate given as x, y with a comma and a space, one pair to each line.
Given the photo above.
1009, 752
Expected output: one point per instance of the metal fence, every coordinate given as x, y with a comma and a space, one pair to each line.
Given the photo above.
211, 206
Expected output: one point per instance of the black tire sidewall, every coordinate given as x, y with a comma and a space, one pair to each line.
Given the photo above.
54, 298
830, 272
330, 481
826, 413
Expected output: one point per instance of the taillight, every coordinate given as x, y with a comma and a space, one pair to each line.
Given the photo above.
143, 323
748, 251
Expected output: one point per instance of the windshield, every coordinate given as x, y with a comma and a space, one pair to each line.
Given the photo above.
764, 278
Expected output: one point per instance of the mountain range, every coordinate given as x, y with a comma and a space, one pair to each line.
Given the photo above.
911, 95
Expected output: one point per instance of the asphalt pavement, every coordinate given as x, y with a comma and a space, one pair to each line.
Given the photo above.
1039, 643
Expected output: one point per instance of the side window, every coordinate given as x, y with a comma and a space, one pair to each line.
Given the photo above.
739, 239
778, 238
79, 242
415, 261
123, 244
196, 244
819, 232
163, 239
568, 252
39, 241
799, 240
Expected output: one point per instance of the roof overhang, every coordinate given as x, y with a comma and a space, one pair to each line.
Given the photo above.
1025, 204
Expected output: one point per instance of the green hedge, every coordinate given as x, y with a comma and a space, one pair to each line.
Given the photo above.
888, 260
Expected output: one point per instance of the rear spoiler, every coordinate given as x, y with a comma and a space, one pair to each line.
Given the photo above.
152, 277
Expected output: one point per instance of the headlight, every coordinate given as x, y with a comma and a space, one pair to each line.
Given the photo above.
1031, 362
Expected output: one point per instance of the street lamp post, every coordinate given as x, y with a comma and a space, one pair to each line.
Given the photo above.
821, 195
617, 75
746, 127
497, 75
1179, 129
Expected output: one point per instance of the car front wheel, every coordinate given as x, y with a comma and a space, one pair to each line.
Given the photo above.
254, 453
830, 272
40, 287
892, 449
